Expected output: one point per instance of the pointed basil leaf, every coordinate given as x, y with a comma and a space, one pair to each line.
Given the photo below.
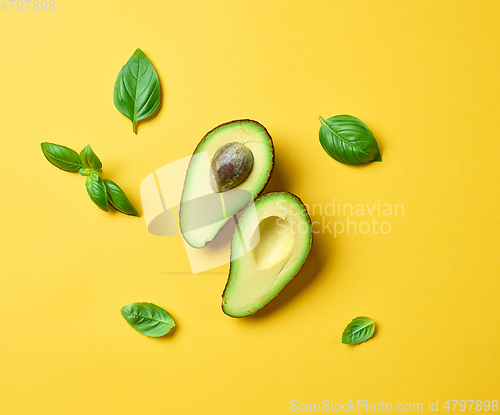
90, 159
148, 319
85, 171
137, 89
62, 157
348, 140
97, 190
117, 199
358, 330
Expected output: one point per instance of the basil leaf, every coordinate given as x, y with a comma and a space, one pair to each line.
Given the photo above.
62, 157
90, 159
137, 89
148, 319
358, 330
97, 190
85, 171
117, 199
348, 140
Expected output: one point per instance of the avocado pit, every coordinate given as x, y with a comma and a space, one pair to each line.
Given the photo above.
231, 165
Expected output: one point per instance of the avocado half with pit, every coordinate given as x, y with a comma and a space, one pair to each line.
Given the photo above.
279, 234
240, 162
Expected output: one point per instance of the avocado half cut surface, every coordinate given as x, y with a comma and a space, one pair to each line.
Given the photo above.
204, 211
280, 232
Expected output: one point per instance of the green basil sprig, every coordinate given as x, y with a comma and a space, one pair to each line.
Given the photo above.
348, 140
358, 330
97, 190
101, 192
117, 199
62, 157
148, 319
137, 91
90, 159
85, 171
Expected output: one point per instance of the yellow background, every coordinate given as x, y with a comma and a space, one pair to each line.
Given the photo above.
424, 76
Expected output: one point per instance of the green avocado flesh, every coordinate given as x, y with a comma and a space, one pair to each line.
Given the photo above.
202, 212
280, 232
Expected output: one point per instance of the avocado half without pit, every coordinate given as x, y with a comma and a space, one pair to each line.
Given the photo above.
240, 158
270, 246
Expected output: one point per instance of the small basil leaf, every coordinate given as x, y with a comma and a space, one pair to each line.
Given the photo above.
117, 199
137, 89
348, 140
358, 330
90, 159
148, 319
85, 171
97, 190
62, 157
